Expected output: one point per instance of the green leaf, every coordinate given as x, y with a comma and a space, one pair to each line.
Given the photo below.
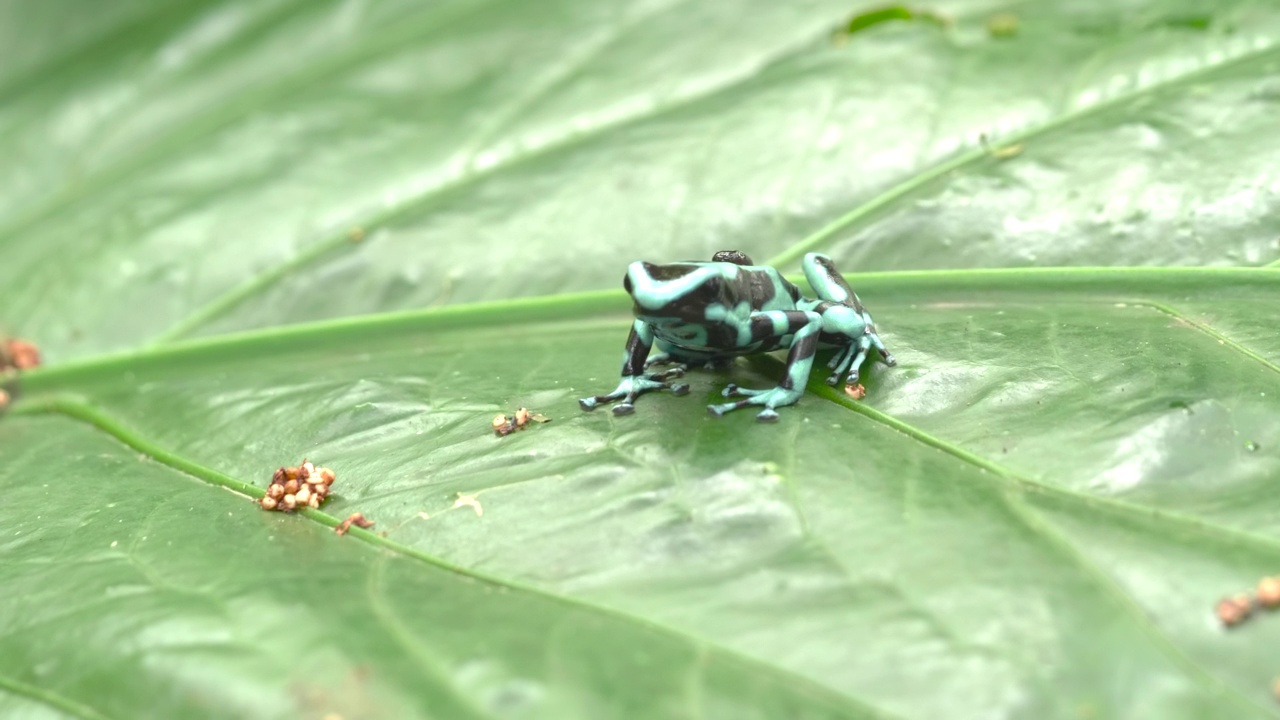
1033, 515
208, 164
1009, 521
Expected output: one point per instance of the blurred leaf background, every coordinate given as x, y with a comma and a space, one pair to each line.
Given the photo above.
1060, 213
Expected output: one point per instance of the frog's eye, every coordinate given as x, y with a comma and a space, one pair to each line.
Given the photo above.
737, 257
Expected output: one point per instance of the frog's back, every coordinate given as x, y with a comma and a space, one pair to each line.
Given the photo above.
686, 289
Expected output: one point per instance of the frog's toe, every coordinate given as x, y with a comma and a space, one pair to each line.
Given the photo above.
657, 380
833, 379
730, 390
588, 403
624, 408
680, 389
889, 359
719, 410
767, 415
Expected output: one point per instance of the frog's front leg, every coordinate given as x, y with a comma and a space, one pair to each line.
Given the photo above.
634, 380
804, 326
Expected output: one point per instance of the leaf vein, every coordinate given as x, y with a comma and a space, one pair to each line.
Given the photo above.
83, 412
51, 699
466, 179
1109, 586
974, 155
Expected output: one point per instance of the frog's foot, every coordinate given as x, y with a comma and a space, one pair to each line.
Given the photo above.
838, 361
841, 356
632, 387
851, 360
770, 399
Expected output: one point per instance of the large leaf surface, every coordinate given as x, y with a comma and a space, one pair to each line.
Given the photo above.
1031, 516
1008, 525
203, 164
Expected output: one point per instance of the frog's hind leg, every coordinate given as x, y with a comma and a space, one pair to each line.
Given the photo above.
830, 285
848, 361
827, 281
804, 326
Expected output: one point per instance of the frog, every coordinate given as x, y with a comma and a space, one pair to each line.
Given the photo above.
700, 313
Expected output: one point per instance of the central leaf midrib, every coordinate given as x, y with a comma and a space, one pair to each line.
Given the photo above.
1059, 284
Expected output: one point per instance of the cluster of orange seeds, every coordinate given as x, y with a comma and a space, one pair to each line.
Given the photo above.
18, 354
1237, 608
503, 425
294, 487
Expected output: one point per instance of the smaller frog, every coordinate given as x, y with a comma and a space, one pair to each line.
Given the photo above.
708, 313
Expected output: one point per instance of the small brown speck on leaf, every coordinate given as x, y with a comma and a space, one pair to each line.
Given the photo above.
18, 355
1269, 592
1234, 610
504, 425
357, 519
855, 391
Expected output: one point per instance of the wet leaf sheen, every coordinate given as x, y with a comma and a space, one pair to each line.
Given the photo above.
1047, 494
1031, 516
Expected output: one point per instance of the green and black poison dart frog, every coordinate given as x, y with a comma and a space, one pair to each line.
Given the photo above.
707, 313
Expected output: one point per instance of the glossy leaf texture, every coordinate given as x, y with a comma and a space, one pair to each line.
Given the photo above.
1033, 514
209, 166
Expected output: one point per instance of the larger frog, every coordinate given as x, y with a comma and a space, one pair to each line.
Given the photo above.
708, 313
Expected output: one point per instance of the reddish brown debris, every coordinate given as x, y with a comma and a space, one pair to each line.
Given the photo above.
503, 425
1234, 610
4, 399
1269, 592
18, 354
304, 485
357, 519
855, 391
